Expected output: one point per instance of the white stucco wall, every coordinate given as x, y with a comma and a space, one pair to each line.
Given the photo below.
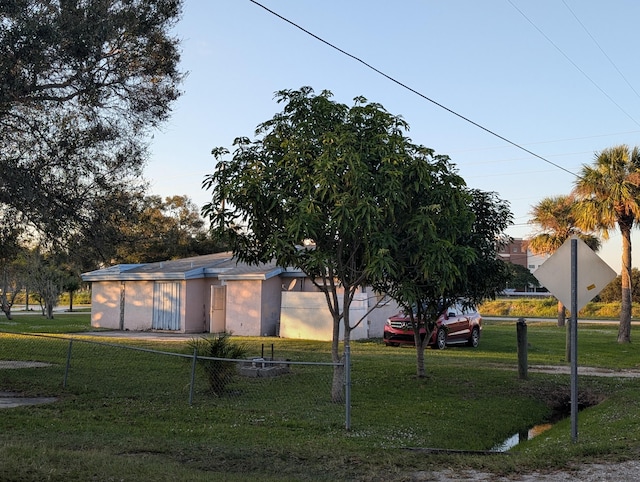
386, 307
305, 315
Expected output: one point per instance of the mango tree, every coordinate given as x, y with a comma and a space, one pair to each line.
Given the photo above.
319, 188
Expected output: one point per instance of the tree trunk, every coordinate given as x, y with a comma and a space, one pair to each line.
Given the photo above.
562, 314
337, 385
6, 308
624, 330
421, 345
420, 371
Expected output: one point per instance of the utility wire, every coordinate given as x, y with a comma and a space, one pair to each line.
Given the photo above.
574, 64
410, 89
601, 49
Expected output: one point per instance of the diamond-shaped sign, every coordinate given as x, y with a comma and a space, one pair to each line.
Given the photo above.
593, 274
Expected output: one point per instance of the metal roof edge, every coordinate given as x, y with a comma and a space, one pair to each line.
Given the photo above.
251, 276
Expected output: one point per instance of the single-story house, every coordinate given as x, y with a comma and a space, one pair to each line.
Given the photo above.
216, 292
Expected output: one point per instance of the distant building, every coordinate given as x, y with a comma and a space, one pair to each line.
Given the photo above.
517, 252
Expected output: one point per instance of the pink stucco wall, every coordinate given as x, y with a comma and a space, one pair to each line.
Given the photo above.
138, 305
105, 305
271, 299
243, 307
195, 306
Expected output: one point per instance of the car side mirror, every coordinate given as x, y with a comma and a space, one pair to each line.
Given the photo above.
451, 314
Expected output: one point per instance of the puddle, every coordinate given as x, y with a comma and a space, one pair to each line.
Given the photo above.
521, 437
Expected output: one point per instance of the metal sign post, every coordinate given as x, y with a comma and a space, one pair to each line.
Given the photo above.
574, 340
558, 273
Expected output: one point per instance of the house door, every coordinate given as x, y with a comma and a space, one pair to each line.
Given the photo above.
218, 308
166, 305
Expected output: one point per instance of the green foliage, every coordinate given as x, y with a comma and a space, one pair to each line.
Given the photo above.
372, 207
160, 229
219, 371
608, 194
612, 291
556, 220
521, 278
81, 85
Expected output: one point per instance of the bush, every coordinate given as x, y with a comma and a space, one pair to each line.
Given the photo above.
219, 372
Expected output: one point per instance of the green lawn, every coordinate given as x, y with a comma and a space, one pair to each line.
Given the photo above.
124, 415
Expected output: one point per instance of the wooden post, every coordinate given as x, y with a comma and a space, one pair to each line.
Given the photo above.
521, 327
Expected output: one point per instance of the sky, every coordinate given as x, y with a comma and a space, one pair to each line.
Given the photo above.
557, 77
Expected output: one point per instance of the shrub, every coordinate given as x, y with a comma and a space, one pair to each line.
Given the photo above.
219, 372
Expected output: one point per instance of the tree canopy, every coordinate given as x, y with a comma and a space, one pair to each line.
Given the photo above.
338, 191
608, 195
556, 220
81, 84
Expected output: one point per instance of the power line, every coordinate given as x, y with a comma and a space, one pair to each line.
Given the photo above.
601, 49
574, 64
410, 89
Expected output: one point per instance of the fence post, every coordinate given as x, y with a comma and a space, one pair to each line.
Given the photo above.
66, 370
193, 375
347, 386
521, 328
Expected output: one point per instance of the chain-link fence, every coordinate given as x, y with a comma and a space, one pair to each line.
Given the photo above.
258, 386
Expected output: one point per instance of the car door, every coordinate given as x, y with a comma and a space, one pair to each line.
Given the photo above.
457, 323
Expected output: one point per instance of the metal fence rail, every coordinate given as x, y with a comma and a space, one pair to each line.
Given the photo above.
248, 389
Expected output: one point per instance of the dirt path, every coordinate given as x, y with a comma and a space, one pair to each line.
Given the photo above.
585, 371
618, 472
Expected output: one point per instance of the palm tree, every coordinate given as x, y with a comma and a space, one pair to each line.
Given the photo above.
556, 222
608, 195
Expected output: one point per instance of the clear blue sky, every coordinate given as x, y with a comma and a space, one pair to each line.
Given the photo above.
559, 77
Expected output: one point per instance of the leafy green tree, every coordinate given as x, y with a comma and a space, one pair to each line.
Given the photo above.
160, 229
448, 255
319, 190
556, 222
81, 85
608, 195
12, 238
521, 279
47, 280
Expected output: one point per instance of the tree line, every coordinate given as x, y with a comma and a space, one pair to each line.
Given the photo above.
155, 229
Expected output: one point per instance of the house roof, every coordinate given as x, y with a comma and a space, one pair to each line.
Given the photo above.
219, 265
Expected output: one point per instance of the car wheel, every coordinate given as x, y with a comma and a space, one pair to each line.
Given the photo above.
474, 339
441, 339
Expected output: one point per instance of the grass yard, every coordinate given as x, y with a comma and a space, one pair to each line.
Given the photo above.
124, 415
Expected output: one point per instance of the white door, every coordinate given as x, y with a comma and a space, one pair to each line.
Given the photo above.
166, 305
218, 309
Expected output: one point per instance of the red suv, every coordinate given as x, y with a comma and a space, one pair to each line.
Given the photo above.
456, 325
